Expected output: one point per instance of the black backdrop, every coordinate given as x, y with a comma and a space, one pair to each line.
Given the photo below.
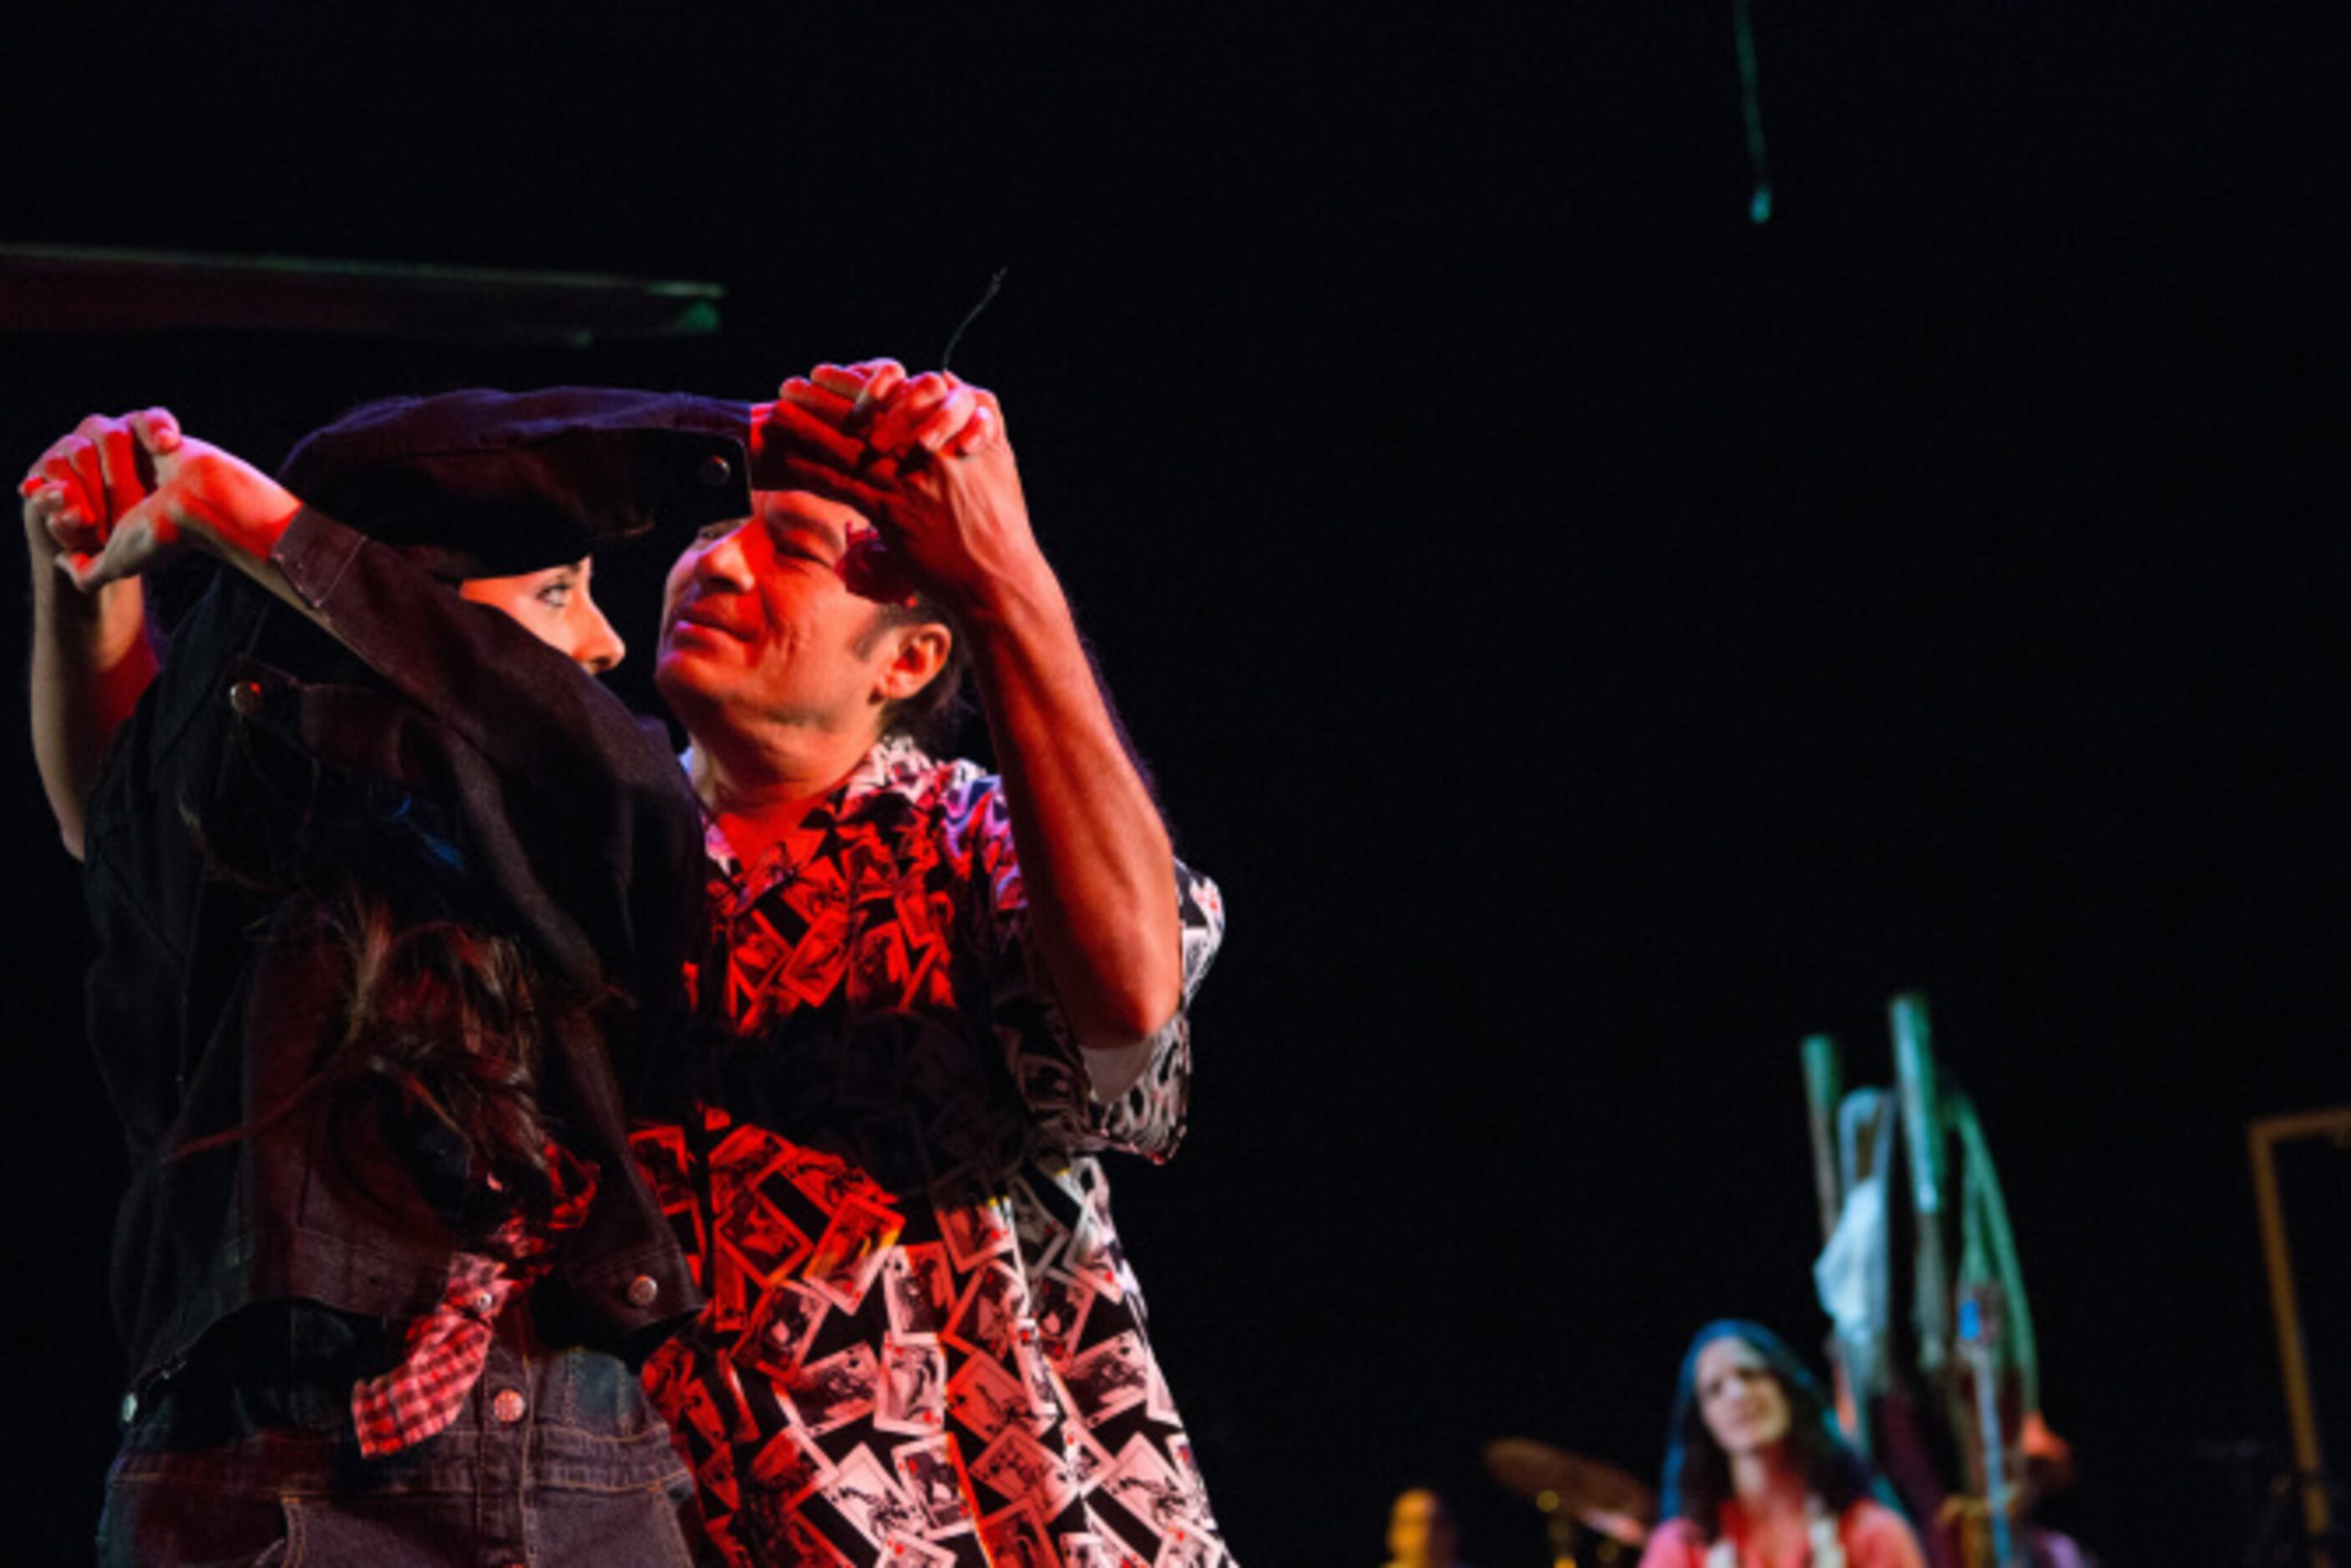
1594, 639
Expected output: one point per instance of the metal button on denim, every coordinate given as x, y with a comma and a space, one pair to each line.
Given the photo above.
508, 1405
246, 698
643, 1290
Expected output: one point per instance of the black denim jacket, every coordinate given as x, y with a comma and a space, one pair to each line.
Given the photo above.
441, 753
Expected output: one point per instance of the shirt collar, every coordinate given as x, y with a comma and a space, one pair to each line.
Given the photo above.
896, 766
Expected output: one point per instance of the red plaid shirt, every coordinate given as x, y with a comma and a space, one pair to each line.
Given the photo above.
448, 1346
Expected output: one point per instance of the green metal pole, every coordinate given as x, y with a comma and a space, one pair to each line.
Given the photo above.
1922, 1137
1823, 1087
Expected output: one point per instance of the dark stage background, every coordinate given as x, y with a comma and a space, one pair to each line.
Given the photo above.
1594, 639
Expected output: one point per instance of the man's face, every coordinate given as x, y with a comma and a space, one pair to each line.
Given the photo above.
554, 605
758, 626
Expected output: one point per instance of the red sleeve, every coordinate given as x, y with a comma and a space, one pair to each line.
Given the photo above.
1675, 1544
1876, 1537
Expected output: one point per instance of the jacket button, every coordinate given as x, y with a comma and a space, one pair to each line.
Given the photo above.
130, 1408
246, 698
508, 1405
643, 1290
714, 470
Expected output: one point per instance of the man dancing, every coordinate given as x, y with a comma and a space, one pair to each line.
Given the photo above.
911, 1040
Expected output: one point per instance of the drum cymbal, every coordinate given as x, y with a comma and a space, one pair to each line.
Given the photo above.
1603, 1497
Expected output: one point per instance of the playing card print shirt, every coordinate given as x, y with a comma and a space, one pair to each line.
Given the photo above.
923, 1343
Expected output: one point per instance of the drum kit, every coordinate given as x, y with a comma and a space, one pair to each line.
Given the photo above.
1597, 1514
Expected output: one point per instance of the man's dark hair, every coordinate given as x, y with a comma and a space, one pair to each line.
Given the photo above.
933, 717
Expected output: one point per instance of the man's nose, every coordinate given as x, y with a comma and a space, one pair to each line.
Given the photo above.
723, 560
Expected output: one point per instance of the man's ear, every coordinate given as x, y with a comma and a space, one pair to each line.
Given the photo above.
921, 653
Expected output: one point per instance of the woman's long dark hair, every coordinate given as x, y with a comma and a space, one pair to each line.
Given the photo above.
441, 1009
1698, 1472
446, 1014
448, 1018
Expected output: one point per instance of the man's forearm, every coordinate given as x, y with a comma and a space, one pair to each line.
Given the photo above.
1095, 861
90, 661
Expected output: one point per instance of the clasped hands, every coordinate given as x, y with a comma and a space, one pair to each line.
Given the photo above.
924, 458
120, 496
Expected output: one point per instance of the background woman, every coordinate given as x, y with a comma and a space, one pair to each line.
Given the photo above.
1756, 1475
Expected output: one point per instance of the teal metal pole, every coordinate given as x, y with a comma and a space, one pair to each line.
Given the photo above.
1823, 1087
1922, 1137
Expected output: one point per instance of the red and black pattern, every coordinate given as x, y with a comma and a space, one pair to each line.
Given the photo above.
924, 1344
448, 1346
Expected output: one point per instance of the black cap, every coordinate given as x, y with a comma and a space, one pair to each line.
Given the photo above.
486, 484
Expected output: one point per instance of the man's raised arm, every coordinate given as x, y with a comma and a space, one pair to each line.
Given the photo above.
1095, 860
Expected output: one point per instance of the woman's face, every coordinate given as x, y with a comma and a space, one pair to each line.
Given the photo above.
555, 607
1739, 1397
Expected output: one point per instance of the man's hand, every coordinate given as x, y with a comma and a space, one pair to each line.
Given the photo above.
119, 497
855, 415
925, 458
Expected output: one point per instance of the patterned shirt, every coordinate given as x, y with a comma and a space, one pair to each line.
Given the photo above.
924, 1345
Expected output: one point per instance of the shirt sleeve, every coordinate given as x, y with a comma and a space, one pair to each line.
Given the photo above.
1674, 1544
1046, 1064
1876, 1537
